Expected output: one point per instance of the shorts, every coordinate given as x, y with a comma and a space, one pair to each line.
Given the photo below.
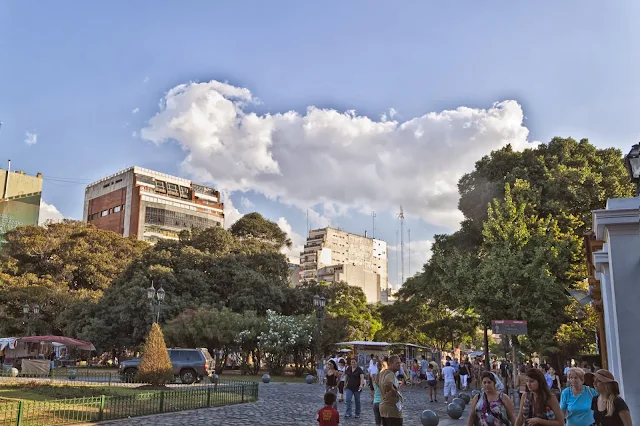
449, 388
432, 383
392, 421
423, 376
376, 413
341, 387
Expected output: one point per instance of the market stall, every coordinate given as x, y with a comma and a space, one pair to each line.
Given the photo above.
52, 349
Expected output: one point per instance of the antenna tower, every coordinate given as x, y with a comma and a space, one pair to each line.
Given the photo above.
401, 245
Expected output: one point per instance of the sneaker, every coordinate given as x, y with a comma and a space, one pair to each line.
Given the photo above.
357, 416
347, 415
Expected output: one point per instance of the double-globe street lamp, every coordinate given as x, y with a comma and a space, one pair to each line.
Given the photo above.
318, 303
152, 294
632, 162
30, 315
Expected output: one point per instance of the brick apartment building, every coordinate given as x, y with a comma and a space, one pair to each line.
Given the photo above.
150, 205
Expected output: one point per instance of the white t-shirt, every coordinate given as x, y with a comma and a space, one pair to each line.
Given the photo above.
449, 374
373, 368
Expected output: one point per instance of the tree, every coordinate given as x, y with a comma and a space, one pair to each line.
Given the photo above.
63, 267
253, 226
285, 336
155, 366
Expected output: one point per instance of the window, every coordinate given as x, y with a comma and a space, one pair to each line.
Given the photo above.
116, 209
104, 213
184, 192
119, 180
160, 187
173, 219
172, 189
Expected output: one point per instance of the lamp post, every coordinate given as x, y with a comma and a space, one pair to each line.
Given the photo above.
152, 294
632, 162
30, 315
319, 303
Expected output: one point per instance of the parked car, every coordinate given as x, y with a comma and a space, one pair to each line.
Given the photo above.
191, 365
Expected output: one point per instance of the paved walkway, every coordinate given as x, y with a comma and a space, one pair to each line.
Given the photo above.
293, 404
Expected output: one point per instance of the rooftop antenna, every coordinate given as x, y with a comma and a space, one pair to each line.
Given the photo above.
397, 258
307, 222
373, 232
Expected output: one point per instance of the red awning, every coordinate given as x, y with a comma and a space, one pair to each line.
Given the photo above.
67, 341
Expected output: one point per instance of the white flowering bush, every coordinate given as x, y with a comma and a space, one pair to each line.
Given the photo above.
287, 337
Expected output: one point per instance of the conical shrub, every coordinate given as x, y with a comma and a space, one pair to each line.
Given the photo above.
155, 367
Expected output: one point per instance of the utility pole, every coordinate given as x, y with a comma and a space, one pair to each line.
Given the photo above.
401, 245
409, 237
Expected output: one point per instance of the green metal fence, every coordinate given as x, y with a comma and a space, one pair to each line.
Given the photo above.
83, 410
79, 375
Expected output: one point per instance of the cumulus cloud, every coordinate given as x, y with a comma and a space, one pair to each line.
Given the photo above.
30, 138
49, 213
297, 241
135, 110
340, 160
231, 213
246, 203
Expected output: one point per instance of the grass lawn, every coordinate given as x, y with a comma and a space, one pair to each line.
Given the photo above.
35, 391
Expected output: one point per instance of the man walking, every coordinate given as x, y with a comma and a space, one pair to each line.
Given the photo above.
354, 385
423, 370
449, 375
391, 398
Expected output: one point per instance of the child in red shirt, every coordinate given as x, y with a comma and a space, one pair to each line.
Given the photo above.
327, 415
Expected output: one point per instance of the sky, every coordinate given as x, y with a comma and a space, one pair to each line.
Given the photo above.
312, 115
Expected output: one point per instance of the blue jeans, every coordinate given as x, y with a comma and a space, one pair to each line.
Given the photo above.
348, 395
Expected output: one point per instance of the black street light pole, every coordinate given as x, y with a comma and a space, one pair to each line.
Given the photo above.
632, 162
29, 315
159, 295
319, 303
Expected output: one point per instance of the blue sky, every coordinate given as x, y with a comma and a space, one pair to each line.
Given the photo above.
72, 74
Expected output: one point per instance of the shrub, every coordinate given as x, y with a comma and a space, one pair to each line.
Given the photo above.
155, 367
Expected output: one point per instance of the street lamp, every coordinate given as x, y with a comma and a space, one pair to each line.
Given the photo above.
632, 162
319, 303
152, 294
30, 315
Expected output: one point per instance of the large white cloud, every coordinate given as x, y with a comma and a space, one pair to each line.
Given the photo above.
338, 159
297, 241
49, 213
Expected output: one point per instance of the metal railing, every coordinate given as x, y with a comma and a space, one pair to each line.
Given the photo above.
91, 409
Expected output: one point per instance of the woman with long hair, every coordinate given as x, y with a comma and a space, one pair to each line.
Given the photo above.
377, 397
491, 407
609, 409
539, 406
576, 400
332, 379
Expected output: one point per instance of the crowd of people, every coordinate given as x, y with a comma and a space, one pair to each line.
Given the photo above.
581, 397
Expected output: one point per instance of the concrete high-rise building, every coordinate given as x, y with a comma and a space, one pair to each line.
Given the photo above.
333, 255
150, 205
19, 199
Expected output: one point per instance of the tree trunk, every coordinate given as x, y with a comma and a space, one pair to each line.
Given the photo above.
487, 364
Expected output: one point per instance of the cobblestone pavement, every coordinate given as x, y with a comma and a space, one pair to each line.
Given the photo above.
293, 404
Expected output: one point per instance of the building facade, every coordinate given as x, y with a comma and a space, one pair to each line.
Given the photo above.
149, 205
334, 255
20, 202
615, 288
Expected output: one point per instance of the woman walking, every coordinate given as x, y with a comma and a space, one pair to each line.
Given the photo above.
539, 406
576, 400
332, 379
609, 409
377, 398
491, 407
432, 383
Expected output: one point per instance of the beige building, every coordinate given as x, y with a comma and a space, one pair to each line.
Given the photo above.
334, 255
19, 199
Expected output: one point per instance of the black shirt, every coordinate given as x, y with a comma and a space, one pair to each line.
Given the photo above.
601, 419
353, 379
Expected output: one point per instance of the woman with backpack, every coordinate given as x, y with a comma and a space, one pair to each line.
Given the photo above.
491, 407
